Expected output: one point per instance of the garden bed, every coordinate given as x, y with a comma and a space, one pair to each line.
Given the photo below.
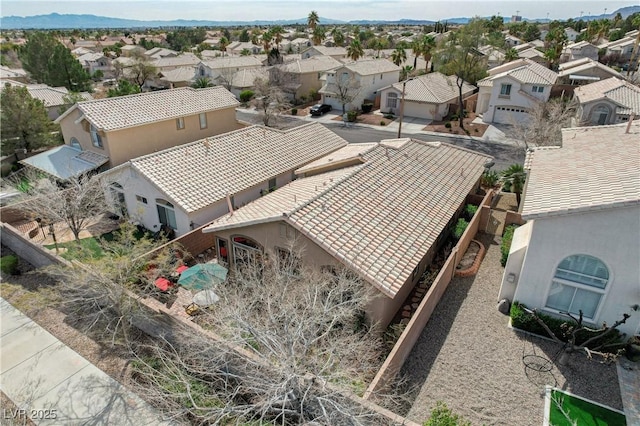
565, 409
470, 262
473, 129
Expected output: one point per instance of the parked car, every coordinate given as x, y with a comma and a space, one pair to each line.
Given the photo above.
320, 109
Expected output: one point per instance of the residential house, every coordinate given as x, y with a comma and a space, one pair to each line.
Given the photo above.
237, 48
533, 54
179, 77
622, 48
380, 210
92, 62
168, 63
355, 82
127, 127
297, 45
580, 50
222, 69
607, 102
428, 96
580, 247
571, 34
335, 52
299, 78
190, 185
132, 50
79, 51
512, 41
14, 74
160, 52
584, 71
492, 55
512, 89
53, 98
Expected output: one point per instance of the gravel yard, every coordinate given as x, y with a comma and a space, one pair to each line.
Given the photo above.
469, 358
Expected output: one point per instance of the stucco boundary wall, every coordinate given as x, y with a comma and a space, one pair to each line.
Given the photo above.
194, 242
403, 347
153, 317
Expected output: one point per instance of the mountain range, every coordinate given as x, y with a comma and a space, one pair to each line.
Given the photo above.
59, 21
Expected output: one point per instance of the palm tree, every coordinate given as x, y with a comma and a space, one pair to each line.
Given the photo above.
266, 41
202, 82
416, 47
405, 71
398, 56
245, 52
313, 20
318, 36
276, 33
513, 179
510, 55
255, 36
428, 45
223, 43
338, 36
355, 50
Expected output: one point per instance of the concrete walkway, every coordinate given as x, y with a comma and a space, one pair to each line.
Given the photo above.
39, 373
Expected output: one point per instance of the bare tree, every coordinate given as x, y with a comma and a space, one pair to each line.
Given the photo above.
74, 202
544, 123
593, 345
286, 345
270, 101
345, 88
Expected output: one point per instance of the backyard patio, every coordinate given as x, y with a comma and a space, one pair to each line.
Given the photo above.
468, 357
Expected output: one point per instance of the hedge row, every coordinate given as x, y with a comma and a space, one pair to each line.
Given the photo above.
507, 236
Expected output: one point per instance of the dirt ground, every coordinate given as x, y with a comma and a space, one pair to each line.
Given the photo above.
474, 129
373, 118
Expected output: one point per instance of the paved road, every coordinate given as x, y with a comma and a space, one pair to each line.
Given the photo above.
503, 153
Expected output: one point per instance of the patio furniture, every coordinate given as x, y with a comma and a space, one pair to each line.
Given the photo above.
203, 276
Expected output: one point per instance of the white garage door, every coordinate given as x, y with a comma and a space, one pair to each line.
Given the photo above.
507, 114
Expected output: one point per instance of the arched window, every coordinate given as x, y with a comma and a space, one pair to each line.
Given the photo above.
600, 115
579, 283
75, 144
392, 100
166, 213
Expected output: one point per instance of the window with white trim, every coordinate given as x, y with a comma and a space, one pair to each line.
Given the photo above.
203, 120
505, 90
537, 89
141, 199
392, 100
579, 284
96, 139
180, 123
166, 213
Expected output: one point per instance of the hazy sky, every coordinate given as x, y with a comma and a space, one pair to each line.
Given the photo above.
249, 10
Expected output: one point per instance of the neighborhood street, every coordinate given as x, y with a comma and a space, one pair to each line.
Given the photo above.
504, 154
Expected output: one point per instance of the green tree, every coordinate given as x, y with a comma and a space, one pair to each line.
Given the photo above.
554, 44
511, 54
532, 32
277, 33
513, 179
318, 36
24, 120
244, 36
202, 82
223, 43
245, 52
123, 88
69, 100
416, 47
459, 56
398, 56
141, 71
266, 41
36, 54
355, 50
338, 36
427, 46
313, 20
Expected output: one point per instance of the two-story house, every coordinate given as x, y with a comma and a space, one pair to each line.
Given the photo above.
510, 90
354, 82
580, 50
336, 52
127, 127
584, 71
580, 247
187, 186
301, 77
92, 62
222, 69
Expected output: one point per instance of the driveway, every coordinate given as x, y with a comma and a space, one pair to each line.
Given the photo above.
469, 358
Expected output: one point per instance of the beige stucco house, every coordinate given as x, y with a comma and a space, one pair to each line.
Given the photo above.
584, 71
580, 247
512, 89
127, 127
382, 210
302, 76
336, 52
608, 101
427, 96
190, 185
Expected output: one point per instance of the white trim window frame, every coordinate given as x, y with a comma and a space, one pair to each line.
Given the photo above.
572, 290
166, 213
203, 120
96, 139
505, 90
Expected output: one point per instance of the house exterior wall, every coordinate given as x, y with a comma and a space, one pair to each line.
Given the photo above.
368, 87
515, 99
484, 97
126, 144
589, 113
590, 52
595, 71
609, 235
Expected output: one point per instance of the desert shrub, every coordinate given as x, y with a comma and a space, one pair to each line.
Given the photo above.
366, 108
476, 130
382, 123
389, 116
246, 95
294, 111
352, 115
470, 210
9, 264
560, 327
447, 124
507, 236
458, 230
489, 178
441, 415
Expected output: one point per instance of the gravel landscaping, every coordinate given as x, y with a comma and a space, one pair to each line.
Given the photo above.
469, 358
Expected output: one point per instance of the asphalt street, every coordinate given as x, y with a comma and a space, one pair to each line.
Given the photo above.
504, 154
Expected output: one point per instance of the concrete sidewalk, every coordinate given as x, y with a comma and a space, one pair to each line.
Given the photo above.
39, 373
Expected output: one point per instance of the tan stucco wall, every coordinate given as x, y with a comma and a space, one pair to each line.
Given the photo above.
308, 82
123, 145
